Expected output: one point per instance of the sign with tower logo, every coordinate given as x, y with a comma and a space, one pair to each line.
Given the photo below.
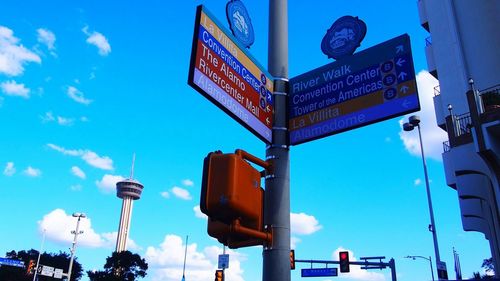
226, 74
370, 86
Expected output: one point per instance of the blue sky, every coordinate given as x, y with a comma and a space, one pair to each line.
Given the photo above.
85, 84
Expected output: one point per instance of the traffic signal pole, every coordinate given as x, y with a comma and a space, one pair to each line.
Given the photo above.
276, 263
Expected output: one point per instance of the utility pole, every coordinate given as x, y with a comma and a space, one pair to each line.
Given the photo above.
73, 247
276, 264
39, 255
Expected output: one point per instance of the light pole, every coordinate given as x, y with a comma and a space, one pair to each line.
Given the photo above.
414, 121
429, 259
39, 254
73, 247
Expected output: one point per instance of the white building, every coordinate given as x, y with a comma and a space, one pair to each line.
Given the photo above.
463, 53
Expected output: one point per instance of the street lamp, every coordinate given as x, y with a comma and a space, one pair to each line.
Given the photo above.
73, 247
421, 257
414, 121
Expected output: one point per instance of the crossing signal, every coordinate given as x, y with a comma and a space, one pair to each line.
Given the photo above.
344, 261
292, 259
31, 267
219, 275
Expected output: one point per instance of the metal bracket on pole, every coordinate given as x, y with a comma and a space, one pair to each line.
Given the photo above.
281, 86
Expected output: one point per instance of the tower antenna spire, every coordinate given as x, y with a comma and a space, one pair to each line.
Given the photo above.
132, 169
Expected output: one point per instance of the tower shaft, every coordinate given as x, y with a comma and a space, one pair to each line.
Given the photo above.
124, 226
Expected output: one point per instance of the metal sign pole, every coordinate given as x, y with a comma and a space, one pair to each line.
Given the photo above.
276, 264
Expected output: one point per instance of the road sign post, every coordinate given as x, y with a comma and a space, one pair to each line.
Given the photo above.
276, 258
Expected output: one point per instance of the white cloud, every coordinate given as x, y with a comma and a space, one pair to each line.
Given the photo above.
9, 170
166, 261
76, 187
108, 183
356, 273
63, 121
58, 226
92, 158
77, 96
432, 135
165, 194
181, 193
187, 182
32, 172
294, 241
198, 213
46, 37
48, 117
98, 40
12, 88
417, 182
13, 56
303, 224
78, 172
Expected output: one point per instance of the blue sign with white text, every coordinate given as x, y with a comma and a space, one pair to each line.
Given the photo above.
10, 262
318, 272
240, 23
373, 85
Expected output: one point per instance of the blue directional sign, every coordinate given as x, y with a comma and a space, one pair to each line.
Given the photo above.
368, 87
318, 272
10, 262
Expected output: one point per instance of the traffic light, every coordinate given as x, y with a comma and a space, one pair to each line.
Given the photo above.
219, 275
292, 259
344, 261
31, 267
233, 199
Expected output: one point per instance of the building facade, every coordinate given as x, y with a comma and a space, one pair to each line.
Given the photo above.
463, 53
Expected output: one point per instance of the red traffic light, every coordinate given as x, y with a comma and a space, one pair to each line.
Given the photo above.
344, 261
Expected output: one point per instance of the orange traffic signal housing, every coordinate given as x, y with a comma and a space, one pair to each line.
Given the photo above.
232, 198
231, 189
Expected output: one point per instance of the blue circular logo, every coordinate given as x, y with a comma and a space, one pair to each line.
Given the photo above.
389, 79
390, 93
240, 23
343, 37
387, 66
263, 78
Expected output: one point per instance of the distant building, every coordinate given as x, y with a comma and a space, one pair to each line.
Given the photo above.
128, 190
463, 53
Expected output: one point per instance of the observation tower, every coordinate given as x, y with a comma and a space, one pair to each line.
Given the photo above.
128, 190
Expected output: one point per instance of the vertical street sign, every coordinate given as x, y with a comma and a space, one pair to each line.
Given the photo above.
226, 74
370, 86
223, 261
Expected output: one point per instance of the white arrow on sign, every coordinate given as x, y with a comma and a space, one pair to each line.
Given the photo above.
404, 89
402, 75
399, 49
400, 62
406, 103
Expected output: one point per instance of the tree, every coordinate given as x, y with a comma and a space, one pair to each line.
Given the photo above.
60, 260
122, 266
488, 268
